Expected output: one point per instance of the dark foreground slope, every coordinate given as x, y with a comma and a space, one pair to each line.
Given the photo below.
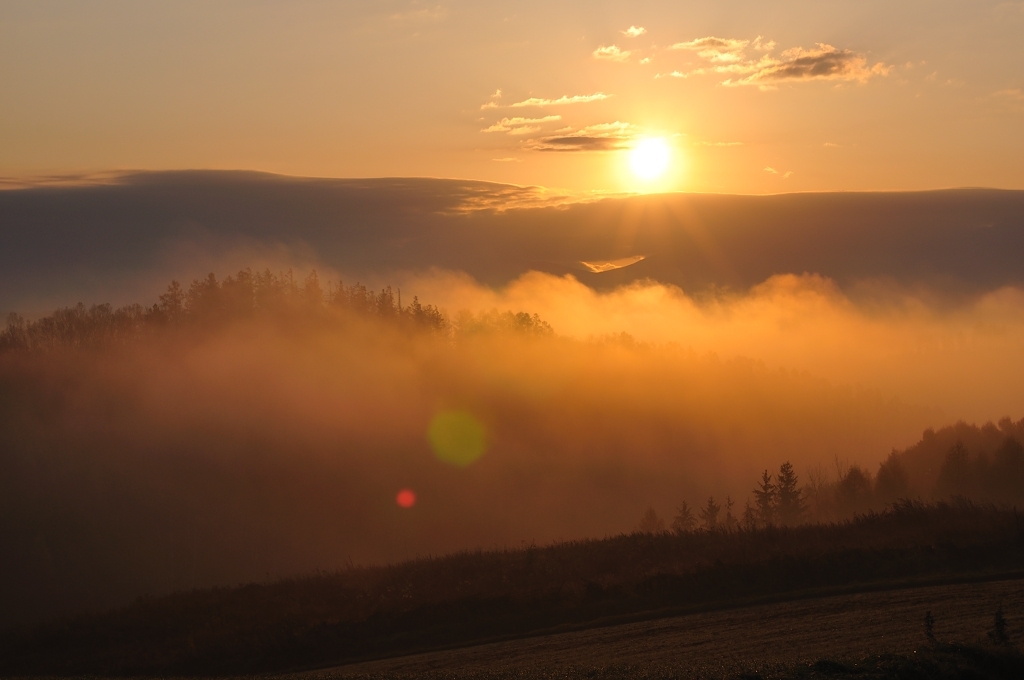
878, 634
476, 597
60, 244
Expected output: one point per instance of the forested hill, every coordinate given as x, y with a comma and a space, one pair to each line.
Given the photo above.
246, 296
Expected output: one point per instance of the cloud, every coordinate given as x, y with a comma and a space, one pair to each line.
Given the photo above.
712, 43
611, 53
717, 50
771, 170
111, 177
493, 104
575, 99
830, 144
600, 137
634, 31
673, 74
1016, 94
600, 266
507, 160
520, 126
645, 60
788, 174
503, 198
823, 62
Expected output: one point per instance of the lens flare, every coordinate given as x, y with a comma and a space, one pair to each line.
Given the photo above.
650, 157
406, 498
457, 438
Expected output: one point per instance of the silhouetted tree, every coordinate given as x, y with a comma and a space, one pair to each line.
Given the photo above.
684, 520
650, 523
709, 514
312, 292
203, 300
853, 491
15, 336
730, 523
764, 500
998, 634
749, 517
955, 477
789, 504
172, 303
892, 481
1006, 474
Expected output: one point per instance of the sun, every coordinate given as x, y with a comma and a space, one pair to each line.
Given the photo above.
650, 158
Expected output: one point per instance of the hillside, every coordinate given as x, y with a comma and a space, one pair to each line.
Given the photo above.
465, 598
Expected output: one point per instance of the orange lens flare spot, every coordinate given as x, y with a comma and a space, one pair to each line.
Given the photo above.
406, 498
457, 438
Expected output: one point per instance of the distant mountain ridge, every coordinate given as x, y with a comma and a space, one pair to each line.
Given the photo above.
59, 244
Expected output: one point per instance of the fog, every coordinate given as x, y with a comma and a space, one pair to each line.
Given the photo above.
252, 449
682, 345
961, 360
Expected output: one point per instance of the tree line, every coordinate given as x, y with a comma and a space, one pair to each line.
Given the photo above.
780, 500
209, 302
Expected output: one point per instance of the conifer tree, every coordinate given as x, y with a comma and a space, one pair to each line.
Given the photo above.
789, 503
764, 499
749, 517
684, 521
709, 514
650, 523
730, 523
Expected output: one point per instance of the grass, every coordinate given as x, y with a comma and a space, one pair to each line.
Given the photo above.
466, 598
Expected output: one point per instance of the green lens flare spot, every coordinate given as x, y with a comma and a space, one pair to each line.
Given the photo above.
457, 437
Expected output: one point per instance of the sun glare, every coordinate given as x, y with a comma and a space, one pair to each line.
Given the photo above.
650, 158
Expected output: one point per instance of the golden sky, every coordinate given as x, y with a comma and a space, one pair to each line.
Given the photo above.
749, 96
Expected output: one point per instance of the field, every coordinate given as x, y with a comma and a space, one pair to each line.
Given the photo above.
693, 602
769, 638
876, 634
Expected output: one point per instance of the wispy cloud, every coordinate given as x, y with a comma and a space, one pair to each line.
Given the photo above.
673, 74
771, 170
520, 126
634, 31
1011, 99
731, 56
718, 50
501, 198
564, 99
421, 14
1014, 95
600, 137
600, 266
493, 104
611, 53
824, 62
507, 159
